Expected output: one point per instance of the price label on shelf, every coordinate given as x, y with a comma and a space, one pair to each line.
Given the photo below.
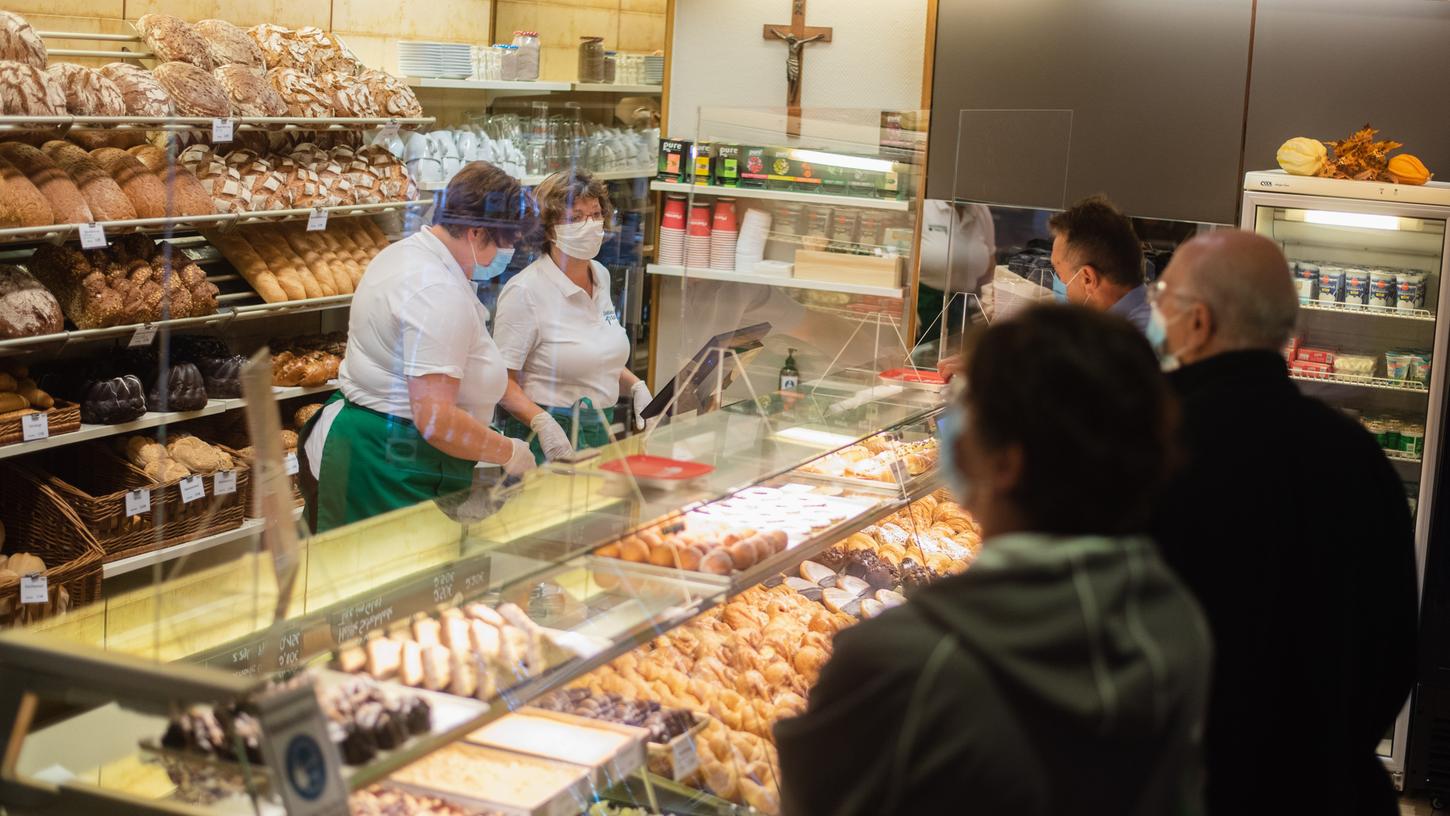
289, 463
221, 130
192, 488
317, 220
224, 482
33, 588
143, 336
93, 236
685, 759
138, 502
391, 128
35, 426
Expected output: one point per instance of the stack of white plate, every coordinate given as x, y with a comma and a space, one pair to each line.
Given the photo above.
654, 70
435, 59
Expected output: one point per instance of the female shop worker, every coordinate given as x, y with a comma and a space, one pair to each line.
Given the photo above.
1068, 669
558, 330
422, 376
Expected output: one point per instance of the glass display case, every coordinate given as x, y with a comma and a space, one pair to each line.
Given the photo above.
1369, 261
478, 604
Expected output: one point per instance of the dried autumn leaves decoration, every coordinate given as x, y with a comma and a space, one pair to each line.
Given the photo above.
1360, 157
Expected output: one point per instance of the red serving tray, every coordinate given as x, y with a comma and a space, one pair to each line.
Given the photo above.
659, 468
924, 376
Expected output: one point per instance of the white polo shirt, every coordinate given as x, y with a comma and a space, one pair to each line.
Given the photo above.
415, 313
565, 344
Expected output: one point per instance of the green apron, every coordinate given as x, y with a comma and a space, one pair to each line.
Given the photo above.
374, 462
592, 432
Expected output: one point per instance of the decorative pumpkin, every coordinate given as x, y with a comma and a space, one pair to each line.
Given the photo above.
113, 401
1302, 156
1407, 169
182, 389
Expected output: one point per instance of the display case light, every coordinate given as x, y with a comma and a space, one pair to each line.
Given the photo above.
839, 160
1329, 218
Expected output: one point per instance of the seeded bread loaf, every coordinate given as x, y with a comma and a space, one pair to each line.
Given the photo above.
304, 97
173, 39
194, 91
146, 192
227, 44
26, 307
188, 197
19, 42
67, 204
21, 205
87, 92
250, 93
103, 195
27, 91
142, 94
83, 290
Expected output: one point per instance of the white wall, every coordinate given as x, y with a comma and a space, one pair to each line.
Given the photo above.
720, 59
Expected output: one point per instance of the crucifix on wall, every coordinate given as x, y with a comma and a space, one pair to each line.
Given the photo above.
795, 36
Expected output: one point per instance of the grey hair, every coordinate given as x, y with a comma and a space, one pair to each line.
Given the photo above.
1251, 294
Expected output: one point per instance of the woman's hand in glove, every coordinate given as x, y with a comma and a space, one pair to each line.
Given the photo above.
552, 439
522, 459
640, 398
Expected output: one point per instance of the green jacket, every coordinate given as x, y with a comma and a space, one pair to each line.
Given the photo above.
1057, 675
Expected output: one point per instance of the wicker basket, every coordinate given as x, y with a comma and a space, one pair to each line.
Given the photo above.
94, 481
39, 522
63, 417
232, 435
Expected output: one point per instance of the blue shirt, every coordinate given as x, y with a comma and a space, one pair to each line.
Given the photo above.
1134, 307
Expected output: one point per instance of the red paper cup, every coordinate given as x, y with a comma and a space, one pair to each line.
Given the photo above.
674, 214
700, 220
725, 215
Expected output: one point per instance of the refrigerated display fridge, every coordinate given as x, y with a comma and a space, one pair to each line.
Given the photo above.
1369, 260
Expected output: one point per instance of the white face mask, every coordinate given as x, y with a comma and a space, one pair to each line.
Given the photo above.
580, 239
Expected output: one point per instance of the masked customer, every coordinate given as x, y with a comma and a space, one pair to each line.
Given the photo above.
558, 329
1098, 260
1067, 670
418, 386
1312, 612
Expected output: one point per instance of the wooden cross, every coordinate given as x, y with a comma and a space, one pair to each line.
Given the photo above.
796, 36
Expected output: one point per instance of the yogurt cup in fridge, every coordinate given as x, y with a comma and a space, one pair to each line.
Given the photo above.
1382, 289
1306, 280
1356, 287
1419, 366
1331, 284
1409, 291
1412, 439
1397, 365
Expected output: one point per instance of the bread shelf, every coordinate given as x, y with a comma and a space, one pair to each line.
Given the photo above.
249, 527
534, 181
1368, 311
61, 232
152, 419
731, 276
497, 86
1381, 383
781, 195
63, 124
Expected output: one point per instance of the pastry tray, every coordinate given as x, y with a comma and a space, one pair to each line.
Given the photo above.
570, 800
629, 758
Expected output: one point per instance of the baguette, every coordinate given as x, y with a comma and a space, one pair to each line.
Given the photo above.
290, 278
103, 195
375, 232
282, 251
250, 266
310, 248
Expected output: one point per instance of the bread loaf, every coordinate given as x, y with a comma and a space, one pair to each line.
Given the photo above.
222, 184
250, 93
187, 196
26, 307
304, 97
21, 205
146, 192
67, 204
19, 42
194, 91
309, 248
172, 39
392, 95
267, 189
370, 228
27, 91
298, 283
141, 93
87, 92
249, 264
227, 44
275, 43
101, 192
351, 96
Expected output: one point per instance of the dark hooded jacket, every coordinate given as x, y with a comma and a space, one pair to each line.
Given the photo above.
1058, 675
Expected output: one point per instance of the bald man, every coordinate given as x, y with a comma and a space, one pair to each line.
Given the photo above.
1292, 529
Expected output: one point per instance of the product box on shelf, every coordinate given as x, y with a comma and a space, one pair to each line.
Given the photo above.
754, 168
903, 136
675, 163
726, 165
704, 164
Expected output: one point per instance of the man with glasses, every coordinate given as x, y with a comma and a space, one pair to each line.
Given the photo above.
1293, 531
1099, 260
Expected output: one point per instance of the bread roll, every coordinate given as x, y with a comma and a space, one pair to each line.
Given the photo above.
249, 92
187, 196
194, 91
26, 309
304, 97
67, 204
227, 44
104, 197
146, 192
172, 39
21, 204
26, 90
19, 42
141, 93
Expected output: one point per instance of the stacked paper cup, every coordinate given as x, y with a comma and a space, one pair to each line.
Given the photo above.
672, 232
723, 234
754, 229
697, 236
